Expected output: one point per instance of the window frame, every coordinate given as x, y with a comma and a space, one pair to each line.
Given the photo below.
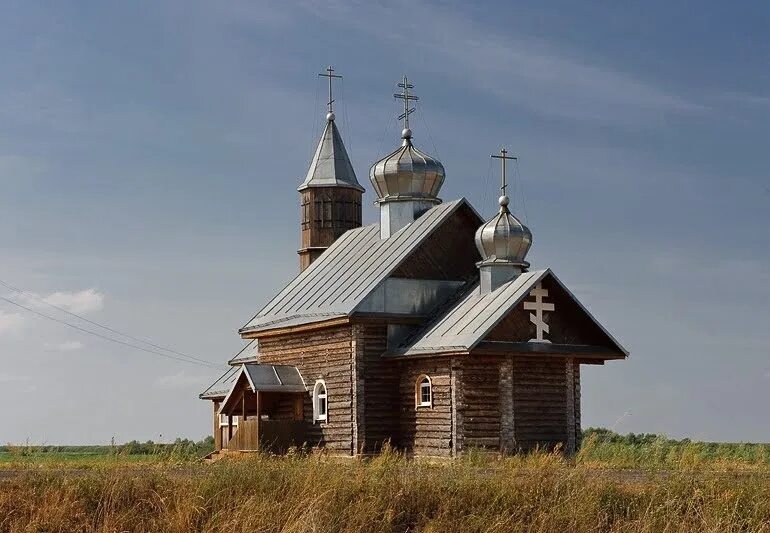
418, 389
317, 396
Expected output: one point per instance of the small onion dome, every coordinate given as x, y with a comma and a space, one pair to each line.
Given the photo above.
504, 239
407, 173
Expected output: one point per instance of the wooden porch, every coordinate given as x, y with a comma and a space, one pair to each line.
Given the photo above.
267, 421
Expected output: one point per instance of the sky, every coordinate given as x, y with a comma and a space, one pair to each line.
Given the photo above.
150, 154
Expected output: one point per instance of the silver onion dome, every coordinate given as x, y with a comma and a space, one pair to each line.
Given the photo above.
407, 173
504, 239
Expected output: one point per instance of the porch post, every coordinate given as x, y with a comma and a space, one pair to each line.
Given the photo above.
229, 428
243, 405
217, 428
256, 426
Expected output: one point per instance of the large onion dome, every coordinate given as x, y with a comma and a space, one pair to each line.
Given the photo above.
504, 239
407, 173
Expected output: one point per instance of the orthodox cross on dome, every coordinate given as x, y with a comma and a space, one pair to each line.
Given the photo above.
503, 157
330, 74
539, 307
406, 97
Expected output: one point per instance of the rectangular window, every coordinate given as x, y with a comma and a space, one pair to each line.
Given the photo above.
322, 407
425, 394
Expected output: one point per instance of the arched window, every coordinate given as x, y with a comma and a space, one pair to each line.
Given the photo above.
320, 402
423, 392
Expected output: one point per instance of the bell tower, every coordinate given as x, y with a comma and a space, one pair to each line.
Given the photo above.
330, 196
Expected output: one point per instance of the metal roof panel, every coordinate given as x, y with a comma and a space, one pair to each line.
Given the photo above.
341, 278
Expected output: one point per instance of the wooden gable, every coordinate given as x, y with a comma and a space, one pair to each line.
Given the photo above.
568, 323
449, 253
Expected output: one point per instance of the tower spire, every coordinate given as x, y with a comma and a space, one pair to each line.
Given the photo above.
330, 196
330, 104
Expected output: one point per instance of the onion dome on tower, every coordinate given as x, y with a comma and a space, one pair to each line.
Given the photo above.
503, 243
407, 181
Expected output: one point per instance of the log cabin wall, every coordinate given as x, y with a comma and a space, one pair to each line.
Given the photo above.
482, 404
540, 402
426, 430
377, 388
324, 354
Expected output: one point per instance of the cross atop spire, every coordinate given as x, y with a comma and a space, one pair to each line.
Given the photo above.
406, 97
503, 157
330, 74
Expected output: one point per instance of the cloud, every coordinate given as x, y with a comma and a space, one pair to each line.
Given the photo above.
66, 346
537, 74
79, 302
181, 380
746, 99
10, 322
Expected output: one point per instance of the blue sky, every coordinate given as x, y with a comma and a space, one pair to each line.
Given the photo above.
150, 154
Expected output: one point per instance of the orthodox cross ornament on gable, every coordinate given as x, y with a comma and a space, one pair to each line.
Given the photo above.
539, 307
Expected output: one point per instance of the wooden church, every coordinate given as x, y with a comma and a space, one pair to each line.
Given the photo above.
427, 330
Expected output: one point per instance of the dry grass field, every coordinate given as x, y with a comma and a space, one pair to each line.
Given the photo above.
653, 485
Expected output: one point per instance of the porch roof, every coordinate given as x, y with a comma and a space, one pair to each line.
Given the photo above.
265, 378
277, 378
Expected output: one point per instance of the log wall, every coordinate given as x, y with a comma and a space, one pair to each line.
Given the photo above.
325, 354
426, 430
540, 402
377, 391
482, 402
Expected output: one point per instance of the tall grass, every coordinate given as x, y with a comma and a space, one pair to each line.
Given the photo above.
535, 492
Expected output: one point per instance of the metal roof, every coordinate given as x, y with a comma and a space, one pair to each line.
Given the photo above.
331, 165
221, 386
274, 378
248, 354
469, 321
350, 269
